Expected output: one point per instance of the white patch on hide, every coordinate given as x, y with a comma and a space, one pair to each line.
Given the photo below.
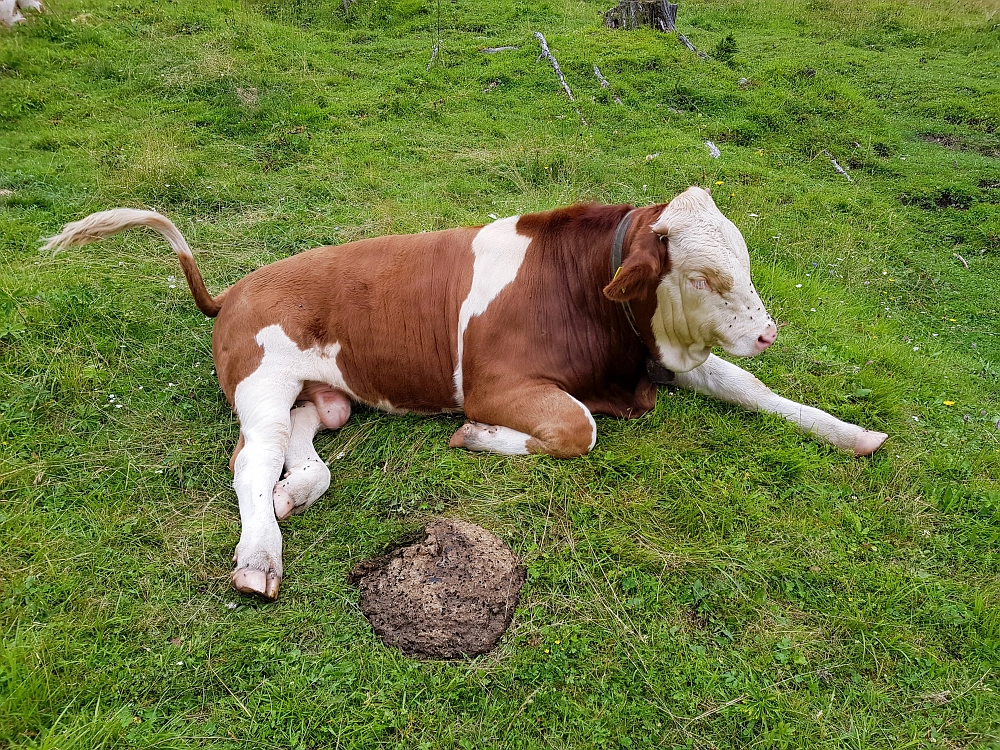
593, 424
499, 252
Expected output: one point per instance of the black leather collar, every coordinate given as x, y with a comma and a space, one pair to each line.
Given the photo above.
616, 263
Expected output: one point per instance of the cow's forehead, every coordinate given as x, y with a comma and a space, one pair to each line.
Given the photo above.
697, 228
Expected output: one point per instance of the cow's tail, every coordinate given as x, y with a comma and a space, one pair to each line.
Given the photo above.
106, 223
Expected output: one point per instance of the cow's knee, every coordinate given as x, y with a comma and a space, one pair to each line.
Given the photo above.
565, 440
547, 420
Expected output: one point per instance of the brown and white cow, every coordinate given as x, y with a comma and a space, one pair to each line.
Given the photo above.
527, 325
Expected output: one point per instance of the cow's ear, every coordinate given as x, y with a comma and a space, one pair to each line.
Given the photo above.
641, 271
638, 274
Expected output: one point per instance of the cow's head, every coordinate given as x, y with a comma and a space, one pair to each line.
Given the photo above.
698, 294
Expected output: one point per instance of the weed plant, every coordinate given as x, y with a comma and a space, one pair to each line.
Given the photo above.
705, 578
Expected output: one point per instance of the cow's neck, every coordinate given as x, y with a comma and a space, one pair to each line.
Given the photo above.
656, 371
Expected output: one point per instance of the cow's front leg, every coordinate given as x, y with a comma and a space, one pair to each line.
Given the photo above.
727, 382
527, 419
306, 476
263, 408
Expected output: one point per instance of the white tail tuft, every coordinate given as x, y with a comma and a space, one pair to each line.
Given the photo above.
106, 223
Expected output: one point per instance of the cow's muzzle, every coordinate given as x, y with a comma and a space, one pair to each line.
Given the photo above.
767, 338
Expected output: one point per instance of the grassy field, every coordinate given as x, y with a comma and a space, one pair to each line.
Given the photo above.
706, 578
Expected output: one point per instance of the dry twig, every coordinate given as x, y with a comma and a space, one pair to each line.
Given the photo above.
605, 84
548, 56
840, 169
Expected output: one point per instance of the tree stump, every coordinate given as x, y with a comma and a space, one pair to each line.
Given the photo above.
634, 14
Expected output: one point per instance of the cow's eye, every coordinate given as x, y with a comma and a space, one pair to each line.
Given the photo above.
700, 282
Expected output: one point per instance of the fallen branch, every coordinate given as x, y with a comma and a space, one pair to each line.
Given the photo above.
713, 150
494, 50
840, 169
964, 262
548, 56
605, 84
687, 43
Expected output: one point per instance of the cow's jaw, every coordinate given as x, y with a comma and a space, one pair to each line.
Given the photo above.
707, 298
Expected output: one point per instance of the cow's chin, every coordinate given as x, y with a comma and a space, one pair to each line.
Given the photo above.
681, 358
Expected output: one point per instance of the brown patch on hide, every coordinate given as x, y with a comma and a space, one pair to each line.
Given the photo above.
391, 303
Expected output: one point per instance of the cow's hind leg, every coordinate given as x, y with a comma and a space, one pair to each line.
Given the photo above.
306, 476
263, 406
536, 418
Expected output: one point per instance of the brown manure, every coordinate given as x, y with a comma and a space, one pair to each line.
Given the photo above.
450, 594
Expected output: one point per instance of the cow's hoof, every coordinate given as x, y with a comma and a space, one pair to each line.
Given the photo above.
472, 435
868, 442
253, 581
284, 503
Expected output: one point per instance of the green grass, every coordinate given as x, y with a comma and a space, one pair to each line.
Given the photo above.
706, 577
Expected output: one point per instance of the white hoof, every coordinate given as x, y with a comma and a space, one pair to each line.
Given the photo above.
868, 442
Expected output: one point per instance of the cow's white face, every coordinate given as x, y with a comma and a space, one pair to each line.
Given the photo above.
707, 299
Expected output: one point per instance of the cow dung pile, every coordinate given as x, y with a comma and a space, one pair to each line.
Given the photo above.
450, 594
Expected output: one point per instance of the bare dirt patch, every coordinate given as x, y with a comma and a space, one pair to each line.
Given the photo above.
450, 594
955, 143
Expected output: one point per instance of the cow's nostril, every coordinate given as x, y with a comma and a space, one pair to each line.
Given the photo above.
767, 338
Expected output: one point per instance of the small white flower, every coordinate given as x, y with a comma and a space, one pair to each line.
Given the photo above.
916, 419
798, 286
754, 216
170, 385
230, 605
916, 348
812, 309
